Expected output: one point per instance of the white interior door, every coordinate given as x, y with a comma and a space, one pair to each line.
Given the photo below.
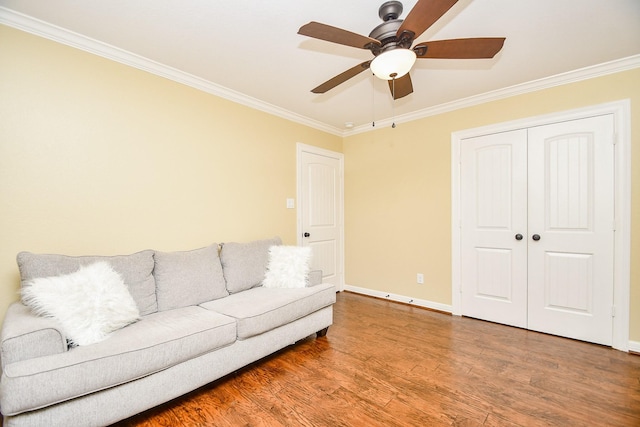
571, 199
321, 210
559, 277
494, 206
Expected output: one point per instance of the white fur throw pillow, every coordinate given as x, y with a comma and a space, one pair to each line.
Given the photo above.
288, 267
90, 303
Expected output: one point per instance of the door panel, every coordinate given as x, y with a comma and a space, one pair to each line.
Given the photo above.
494, 191
571, 208
494, 274
568, 283
569, 173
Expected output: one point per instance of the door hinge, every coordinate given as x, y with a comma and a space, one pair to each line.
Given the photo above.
615, 138
613, 311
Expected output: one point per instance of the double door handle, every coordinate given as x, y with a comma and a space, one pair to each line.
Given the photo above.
535, 237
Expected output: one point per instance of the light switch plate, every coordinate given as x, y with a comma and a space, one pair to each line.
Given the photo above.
291, 203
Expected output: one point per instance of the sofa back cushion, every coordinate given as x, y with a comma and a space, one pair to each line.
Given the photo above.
244, 264
188, 277
135, 269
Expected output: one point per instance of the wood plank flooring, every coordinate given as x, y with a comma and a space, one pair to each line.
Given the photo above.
388, 364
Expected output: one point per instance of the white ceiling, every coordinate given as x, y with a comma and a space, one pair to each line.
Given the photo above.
250, 50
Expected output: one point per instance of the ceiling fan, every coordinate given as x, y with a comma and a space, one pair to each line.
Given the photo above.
390, 43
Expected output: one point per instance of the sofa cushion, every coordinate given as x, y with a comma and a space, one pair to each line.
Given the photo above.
89, 303
188, 278
158, 341
135, 269
244, 264
260, 309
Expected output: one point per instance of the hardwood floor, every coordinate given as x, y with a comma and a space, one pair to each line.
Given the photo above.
388, 364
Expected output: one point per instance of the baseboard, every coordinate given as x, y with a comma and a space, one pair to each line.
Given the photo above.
400, 298
634, 347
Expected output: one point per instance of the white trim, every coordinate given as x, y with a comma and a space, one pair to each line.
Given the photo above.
400, 298
634, 346
615, 66
96, 47
304, 148
43, 29
621, 111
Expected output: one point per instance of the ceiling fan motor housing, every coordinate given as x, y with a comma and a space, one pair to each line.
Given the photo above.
386, 32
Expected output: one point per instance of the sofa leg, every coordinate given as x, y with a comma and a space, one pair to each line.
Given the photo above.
323, 332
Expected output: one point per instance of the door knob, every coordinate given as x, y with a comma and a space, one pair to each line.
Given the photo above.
536, 237
306, 234
518, 236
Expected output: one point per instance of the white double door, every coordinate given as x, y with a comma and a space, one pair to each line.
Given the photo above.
538, 228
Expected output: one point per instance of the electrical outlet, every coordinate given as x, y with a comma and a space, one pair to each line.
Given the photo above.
420, 279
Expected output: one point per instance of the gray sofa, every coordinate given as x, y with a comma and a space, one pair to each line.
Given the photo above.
203, 315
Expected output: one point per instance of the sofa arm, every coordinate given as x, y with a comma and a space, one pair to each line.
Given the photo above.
315, 278
25, 336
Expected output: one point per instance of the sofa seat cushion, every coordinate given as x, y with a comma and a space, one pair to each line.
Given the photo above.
260, 309
158, 341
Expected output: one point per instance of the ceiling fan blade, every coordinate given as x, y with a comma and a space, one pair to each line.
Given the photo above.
423, 15
341, 78
474, 48
336, 35
401, 87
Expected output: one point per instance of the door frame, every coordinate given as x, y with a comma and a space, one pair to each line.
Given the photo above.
621, 111
304, 148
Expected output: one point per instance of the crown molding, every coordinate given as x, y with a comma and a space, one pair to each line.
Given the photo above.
52, 32
586, 73
43, 29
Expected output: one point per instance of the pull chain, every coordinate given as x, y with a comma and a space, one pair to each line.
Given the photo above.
393, 101
373, 100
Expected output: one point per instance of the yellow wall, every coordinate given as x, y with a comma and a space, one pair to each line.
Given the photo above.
398, 190
100, 158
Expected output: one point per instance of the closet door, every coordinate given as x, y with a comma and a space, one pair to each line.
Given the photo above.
538, 228
494, 227
571, 199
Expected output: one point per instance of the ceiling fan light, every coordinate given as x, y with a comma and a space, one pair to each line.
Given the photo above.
393, 63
